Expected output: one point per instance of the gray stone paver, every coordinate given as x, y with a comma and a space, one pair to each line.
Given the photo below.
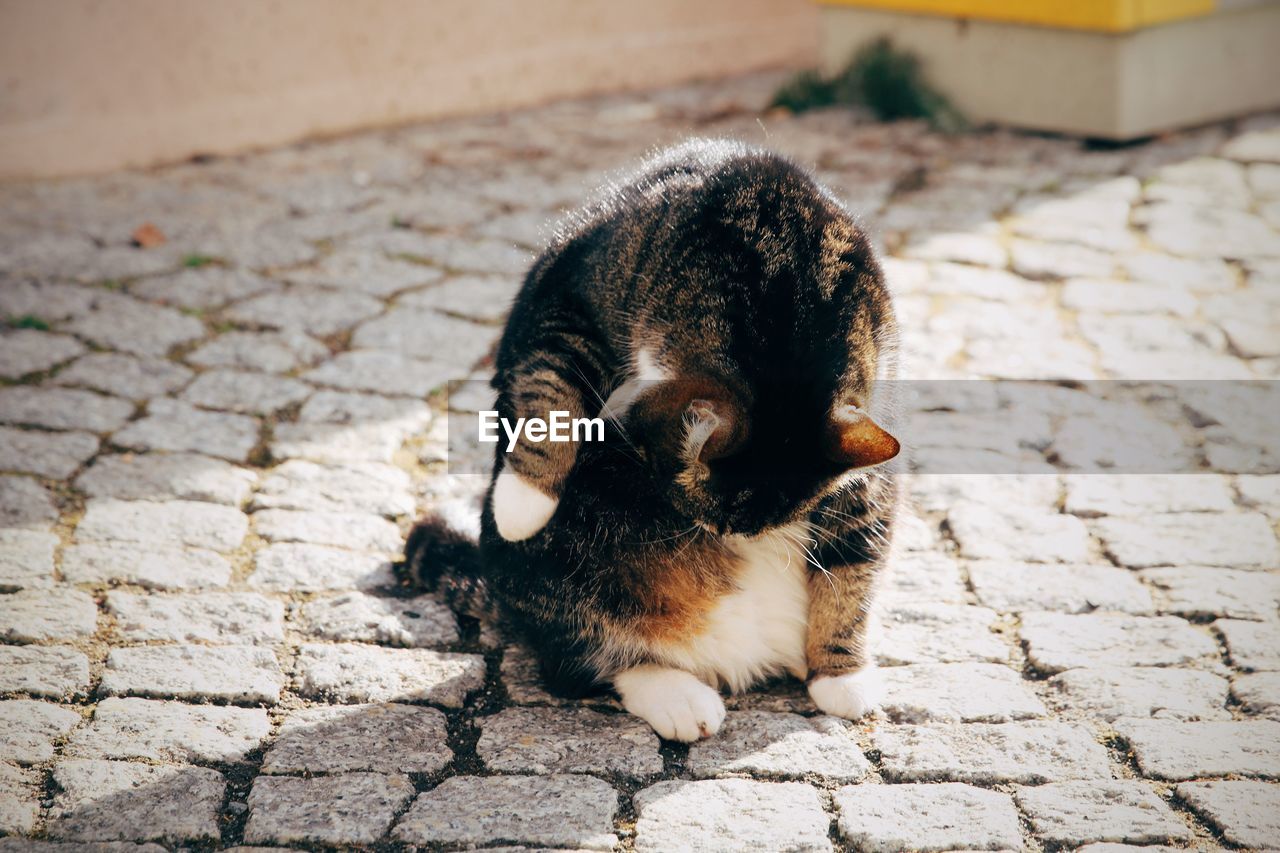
26, 559
122, 801
785, 746
1247, 813
543, 811
53, 672
1174, 750
569, 740
387, 738
28, 729
927, 817
166, 476
205, 474
1079, 812
729, 815
247, 674
351, 808
169, 732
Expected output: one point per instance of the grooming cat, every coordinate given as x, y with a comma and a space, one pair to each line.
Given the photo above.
730, 320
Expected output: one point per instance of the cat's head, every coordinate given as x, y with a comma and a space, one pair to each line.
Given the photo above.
744, 460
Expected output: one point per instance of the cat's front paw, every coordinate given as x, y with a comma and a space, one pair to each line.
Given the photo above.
674, 702
520, 509
851, 695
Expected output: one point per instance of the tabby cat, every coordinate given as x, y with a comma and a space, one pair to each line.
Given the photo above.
729, 319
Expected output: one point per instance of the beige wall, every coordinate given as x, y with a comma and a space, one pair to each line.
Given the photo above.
93, 85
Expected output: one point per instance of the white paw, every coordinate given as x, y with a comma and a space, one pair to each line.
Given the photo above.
674, 702
851, 695
520, 509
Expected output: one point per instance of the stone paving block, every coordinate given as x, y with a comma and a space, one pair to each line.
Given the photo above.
785, 746
192, 523
47, 615
298, 567
382, 372
1017, 586
19, 805
208, 617
129, 325
316, 310
541, 811
1260, 490
1126, 297
355, 487
351, 672
1080, 812
472, 255
166, 476
118, 801
483, 298
148, 565
1258, 693
1091, 495
1246, 813
357, 617
1251, 645
1175, 751
930, 633
990, 753
427, 334
1196, 592
25, 503
384, 738
246, 674
1057, 641
177, 426
28, 729
927, 817
349, 808
125, 375
568, 740
405, 415
245, 391
170, 732
201, 288
335, 443
50, 301
55, 455
1235, 540
24, 351
358, 269
957, 692
1015, 533
728, 815
26, 559
63, 408
354, 530
924, 577
270, 352
1034, 259
1109, 692
54, 672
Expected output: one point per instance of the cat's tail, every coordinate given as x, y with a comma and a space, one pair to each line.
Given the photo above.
440, 557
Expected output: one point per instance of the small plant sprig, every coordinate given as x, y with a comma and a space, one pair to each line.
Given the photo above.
884, 79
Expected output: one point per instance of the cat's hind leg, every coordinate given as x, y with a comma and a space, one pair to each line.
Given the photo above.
675, 703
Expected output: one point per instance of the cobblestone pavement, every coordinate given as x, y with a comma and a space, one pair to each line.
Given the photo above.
213, 446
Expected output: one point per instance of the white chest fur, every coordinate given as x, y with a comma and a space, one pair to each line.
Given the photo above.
759, 628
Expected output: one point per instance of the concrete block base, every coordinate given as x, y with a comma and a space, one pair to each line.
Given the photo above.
1109, 85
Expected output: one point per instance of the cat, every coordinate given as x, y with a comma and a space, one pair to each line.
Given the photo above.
729, 319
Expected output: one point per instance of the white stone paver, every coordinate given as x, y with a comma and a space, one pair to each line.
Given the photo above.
207, 468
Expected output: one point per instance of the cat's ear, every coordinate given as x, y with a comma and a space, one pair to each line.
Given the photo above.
854, 440
695, 419
715, 429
